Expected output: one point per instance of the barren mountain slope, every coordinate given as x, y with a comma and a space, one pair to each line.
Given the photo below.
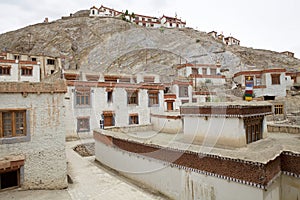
115, 46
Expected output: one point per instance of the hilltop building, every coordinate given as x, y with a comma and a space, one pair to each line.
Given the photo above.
141, 20
226, 40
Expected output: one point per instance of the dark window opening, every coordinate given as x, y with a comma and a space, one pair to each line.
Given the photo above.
267, 98
50, 61
9, 179
26, 71
109, 97
52, 71
33, 59
134, 119
4, 70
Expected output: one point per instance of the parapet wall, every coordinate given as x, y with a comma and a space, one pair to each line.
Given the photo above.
199, 175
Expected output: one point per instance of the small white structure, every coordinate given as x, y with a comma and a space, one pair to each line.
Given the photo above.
238, 123
146, 21
117, 100
202, 73
32, 136
104, 12
172, 22
177, 94
268, 83
231, 41
19, 71
41, 66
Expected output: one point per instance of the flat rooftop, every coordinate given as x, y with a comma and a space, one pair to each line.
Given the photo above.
261, 151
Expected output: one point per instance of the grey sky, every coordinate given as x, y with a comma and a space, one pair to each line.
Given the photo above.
264, 24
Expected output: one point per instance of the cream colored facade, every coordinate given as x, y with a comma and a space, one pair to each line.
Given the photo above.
111, 97
38, 153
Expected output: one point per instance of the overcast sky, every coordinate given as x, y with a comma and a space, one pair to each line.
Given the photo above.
262, 24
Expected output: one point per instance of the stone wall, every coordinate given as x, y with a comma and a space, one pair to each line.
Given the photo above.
44, 150
281, 128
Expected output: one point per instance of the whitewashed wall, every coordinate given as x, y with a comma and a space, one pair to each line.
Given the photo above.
45, 158
178, 183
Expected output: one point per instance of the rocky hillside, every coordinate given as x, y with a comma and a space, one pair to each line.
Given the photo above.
115, 46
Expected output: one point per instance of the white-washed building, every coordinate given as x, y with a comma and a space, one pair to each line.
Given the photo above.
32, 135
104, 12
146, 21
172, 22
117, 100
19, 71
267, 83
202, 73
43, 65
231, 41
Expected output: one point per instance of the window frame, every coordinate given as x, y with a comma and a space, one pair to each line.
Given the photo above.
50, 61
83, 99
278, 109
5, 68
13, 122
83, 129
183, 91
134, 119
275, 79
153, 98
26, 71
132, 97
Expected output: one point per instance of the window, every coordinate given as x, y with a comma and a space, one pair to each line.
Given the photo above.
258, 81
153, 98
133, 119
50, 61
275, 79
132, 97
109, 96
83, 124
26, 71
253, 127
83, 96
213, 71
204, 71
183, 91
33, 59
152, 25
9, 179
136, 18
12, 123
278, 109
5, 70
16, 57
194, 71
143, 19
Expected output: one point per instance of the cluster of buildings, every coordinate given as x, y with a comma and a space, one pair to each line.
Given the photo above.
142, 20
41, 104
226, 40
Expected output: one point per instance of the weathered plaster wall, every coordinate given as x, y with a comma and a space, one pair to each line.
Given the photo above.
179, 184
45, 158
